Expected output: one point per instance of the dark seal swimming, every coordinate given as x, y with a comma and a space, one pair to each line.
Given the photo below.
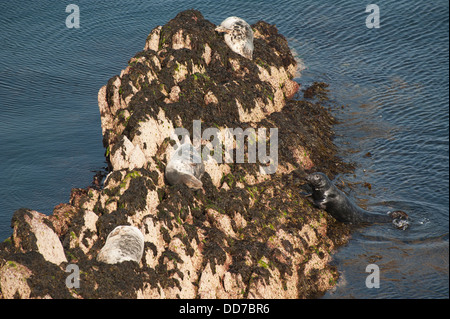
328, 197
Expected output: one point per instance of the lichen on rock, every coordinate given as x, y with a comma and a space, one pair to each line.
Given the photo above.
244, 234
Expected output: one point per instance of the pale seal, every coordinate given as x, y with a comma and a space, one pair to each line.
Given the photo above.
185, 167
335, 202
122, 244
238, 36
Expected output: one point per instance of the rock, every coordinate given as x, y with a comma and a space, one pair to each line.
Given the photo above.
152, 42
191, 72
245, 234
61, 218
88, 233
127, 155
124, 243
32, 233
13, 281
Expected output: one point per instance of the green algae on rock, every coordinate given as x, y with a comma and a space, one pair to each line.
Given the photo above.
244, 234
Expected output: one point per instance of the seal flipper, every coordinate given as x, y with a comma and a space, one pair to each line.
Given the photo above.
399, 219
320, 203
305, 194
398, 214
190, 181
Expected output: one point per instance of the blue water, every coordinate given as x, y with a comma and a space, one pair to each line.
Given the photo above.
393, 81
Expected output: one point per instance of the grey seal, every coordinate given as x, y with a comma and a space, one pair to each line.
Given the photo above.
327, 196
238, 36
185, 167
122, 244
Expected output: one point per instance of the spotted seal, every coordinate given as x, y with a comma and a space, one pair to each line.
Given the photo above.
327, 196
185, 167
122, 244
238, 36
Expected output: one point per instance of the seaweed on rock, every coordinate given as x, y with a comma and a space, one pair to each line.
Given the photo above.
245, 234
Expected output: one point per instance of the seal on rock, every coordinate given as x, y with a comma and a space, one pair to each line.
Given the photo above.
122, 244
238, 36
327, 196
185, 166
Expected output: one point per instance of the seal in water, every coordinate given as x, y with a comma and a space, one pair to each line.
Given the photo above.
238, 36
329, 197
185, 166
122, 244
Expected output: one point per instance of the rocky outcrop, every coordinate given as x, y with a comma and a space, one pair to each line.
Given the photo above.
244, 234
32, 233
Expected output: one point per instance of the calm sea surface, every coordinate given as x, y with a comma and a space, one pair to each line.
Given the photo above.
393, 82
